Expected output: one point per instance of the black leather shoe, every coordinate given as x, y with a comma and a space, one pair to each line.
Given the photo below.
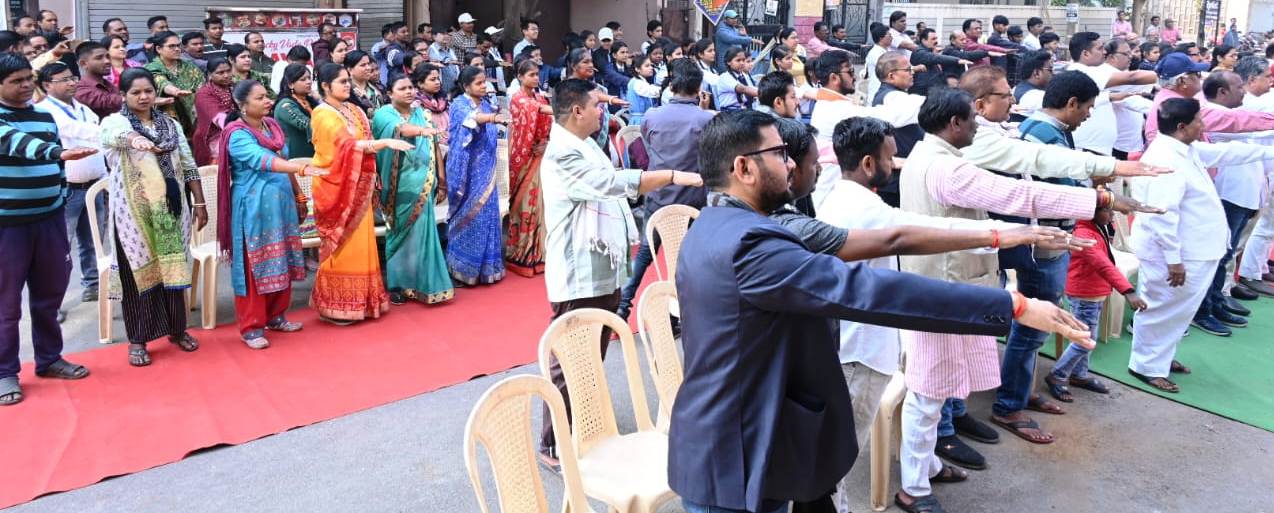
1261, 287
1234, 307
953, 449
1241, 291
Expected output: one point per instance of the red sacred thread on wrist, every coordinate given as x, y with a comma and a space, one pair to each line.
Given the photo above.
1021, 304
995, 239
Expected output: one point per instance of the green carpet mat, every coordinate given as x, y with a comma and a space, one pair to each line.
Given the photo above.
1231, 376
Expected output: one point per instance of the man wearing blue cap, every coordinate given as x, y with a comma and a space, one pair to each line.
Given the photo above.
1179, 78
728, 35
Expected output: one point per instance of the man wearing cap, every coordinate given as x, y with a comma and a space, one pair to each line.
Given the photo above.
1179, 78
465, 40
728, 35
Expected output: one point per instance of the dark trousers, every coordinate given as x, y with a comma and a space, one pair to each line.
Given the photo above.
645, 258
36, 256
1237, 218
609, 302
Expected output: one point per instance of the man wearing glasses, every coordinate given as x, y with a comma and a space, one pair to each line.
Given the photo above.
897, 76
1098, 134
763, 416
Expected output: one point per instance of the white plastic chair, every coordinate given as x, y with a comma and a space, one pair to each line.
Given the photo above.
670, 224
655, 327
105, 259
886, 438
203, 252
501, 422
307, 188
629, 472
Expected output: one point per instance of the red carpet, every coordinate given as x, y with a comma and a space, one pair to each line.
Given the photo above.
123, 419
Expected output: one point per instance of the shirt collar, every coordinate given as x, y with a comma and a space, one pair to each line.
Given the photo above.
1172, 144
1045, 117
943, 145
72, 105
683, 101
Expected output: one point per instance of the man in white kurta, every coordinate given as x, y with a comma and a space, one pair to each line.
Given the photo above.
1179, 250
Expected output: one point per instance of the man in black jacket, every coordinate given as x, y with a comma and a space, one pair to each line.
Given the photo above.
937, 65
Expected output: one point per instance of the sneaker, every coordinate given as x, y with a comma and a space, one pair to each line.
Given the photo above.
1258, 286
1234, 307
1240, 291
1229, 319
89, 295
1212, 326
953, 449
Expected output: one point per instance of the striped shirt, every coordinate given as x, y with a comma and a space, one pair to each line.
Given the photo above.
32, 181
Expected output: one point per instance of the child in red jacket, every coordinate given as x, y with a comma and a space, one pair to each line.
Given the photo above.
1089, 280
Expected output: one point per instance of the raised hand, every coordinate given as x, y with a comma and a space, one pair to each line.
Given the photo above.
398, 145
1131, 168
77, 153
164, 101
1045, 316
1126, 205
1046, 237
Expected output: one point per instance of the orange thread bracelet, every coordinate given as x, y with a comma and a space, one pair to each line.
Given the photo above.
1021, 306
995, 239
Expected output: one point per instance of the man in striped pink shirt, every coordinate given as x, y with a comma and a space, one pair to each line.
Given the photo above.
937, 181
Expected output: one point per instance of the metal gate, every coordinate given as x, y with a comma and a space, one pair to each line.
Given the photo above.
853, 14
758, 12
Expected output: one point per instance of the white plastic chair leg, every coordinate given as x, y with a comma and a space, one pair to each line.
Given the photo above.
104, 314
885, 433
192, 293
209, 303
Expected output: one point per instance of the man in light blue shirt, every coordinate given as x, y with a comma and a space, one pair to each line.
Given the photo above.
728, 35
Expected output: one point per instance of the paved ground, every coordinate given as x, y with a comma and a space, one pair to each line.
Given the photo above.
1127, 452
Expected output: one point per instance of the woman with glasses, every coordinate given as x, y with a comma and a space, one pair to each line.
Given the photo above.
175, 78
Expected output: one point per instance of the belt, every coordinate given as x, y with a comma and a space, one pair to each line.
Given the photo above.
85, 185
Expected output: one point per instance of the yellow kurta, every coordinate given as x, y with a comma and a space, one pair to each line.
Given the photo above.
349, 284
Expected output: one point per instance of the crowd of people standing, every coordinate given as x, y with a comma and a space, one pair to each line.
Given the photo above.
881, 223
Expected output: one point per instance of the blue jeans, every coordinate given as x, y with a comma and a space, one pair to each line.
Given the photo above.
645, 257
951, 410
699, 508
1074, 361
1237, 218
77, 224
1046, 282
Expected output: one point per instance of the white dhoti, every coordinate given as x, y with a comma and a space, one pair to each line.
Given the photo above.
1257, 250
1158, 329
920, 416
866, 386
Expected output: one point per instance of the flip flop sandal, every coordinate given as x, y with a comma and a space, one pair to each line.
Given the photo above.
1090, 384
185, 341
63, 369
926, 504
10, 392
337, 322
1042, 405
950, 474
1017, 426
138, 356
549, 462
1058, 390
1178, 368
1163, 384
284, 326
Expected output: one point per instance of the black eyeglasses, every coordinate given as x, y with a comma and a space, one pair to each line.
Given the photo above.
782, 149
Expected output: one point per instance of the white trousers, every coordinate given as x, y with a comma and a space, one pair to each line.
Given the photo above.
1257, 250
920, 416
1157, 330
866, 386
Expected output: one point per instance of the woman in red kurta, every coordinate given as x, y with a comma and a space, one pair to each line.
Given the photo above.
212, 104
532, 119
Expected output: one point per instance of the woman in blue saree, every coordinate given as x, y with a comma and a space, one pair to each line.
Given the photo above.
474, 244
257, 211
415, 266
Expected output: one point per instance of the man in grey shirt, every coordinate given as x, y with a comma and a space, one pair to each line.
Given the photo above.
669, 133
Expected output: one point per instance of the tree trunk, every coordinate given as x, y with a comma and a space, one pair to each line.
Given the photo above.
1140, 18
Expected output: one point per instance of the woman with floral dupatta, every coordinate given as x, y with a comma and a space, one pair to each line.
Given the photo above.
148, 155
415, 265
473, 224
258, 204
348, 286
528, 136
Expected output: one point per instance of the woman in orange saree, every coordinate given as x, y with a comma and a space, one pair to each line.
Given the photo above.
348, 286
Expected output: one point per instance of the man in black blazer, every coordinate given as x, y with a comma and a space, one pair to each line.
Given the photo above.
763, 416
